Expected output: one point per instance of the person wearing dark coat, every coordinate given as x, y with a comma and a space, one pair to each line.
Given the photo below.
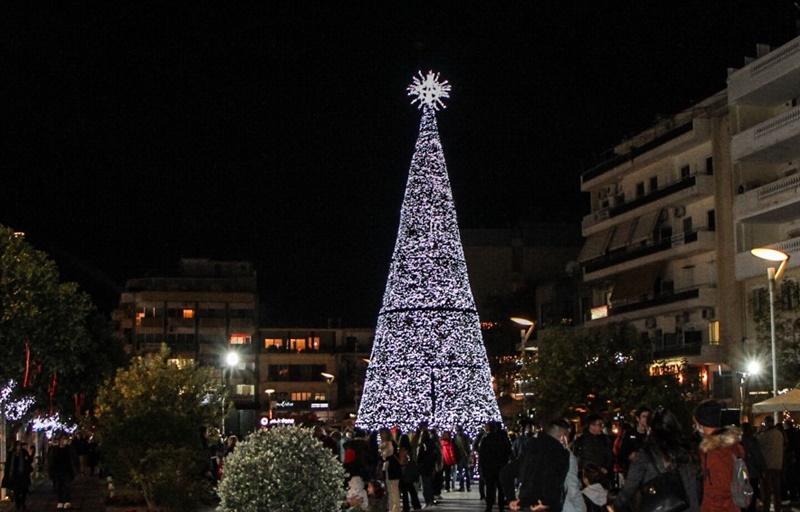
753, 459
61, 466
495, 452
543, 470
19, 466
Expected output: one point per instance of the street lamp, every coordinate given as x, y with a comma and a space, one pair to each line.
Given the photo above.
525, 335
753, 368
773, 276
231, 361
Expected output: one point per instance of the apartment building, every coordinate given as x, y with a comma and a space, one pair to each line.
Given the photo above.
765, 157
203, 311
655, 235
312, 373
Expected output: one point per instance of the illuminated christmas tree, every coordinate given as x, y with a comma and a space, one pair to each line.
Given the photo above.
428, 361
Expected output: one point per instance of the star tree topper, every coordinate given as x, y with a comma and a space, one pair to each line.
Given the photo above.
429, 90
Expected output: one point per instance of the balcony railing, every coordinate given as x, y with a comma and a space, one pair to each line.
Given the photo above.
636, 252
636, 151
663, 350
655, 195
656, 300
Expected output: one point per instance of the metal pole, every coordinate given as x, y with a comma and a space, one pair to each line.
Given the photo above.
522, 342
771, 279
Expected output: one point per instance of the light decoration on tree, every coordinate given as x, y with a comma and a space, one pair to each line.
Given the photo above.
52, 424
14, 409
428, 361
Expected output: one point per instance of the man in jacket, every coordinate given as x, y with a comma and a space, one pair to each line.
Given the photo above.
771, 442
544, 469
495, 452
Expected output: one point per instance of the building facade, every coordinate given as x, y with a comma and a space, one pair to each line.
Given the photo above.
203, 312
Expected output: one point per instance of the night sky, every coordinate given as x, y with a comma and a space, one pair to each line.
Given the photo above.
281, 133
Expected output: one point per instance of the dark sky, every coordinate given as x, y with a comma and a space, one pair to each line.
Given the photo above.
280, 132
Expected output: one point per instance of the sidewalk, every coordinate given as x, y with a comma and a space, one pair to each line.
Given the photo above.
88, 495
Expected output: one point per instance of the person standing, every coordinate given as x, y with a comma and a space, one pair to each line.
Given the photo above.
544, 470
391, 468
754, 460
771, 442
449, 460
718, 449
408, 487
426, 461
61, 467
19, 467
596, 447
463, 448
495, 452
632, 439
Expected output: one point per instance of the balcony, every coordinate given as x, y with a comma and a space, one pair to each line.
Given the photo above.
635, 152
769, 80
680, 245
672, 345
774, 202
775, 140
673, 194
657, 304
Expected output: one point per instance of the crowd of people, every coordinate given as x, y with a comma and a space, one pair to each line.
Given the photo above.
552, 467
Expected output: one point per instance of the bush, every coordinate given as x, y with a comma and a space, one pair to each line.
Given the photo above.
283, 469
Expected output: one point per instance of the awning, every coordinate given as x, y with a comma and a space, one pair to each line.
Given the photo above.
622, 235
635, 283
645, 225
595, 246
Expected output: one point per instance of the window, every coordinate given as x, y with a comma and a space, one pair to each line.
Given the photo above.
139, 316
710, 165
712, 220
273, 342
303, 396
789, 295
687, 225
685, 172
188, 313
297, 343
319, 397
245, 389
713, 332
211, 313
240, 339
181, 363
154, 312
653, 183
760, 301
639, 189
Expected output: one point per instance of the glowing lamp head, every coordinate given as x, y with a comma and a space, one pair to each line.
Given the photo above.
754, 367
328, 376
769, 254
232, 359
522, 321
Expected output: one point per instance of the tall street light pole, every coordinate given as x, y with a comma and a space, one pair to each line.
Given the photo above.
525, 334
773, 276
231, 361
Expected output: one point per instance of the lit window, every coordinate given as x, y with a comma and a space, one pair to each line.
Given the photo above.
297, 343
301, 396
139, 316
245, 389
314, 342
188, 313
240, 339
713, 333
273, 342
181, 363
319, 397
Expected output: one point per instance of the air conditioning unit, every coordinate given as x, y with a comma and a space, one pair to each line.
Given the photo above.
680, 211
709, 313
650, 322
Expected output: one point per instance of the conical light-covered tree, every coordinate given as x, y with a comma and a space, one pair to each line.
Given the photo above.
428, 361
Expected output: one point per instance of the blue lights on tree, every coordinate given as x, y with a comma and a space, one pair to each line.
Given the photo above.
428, 361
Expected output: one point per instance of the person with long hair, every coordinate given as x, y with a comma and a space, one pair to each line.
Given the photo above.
665, 448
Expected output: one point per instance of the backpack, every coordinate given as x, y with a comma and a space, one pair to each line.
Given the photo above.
741, 489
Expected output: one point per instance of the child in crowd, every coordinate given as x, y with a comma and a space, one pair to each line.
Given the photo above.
356, 494
377, 496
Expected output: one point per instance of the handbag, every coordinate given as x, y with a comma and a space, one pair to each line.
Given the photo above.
664, 493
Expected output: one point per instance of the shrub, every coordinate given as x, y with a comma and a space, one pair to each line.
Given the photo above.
283, 469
